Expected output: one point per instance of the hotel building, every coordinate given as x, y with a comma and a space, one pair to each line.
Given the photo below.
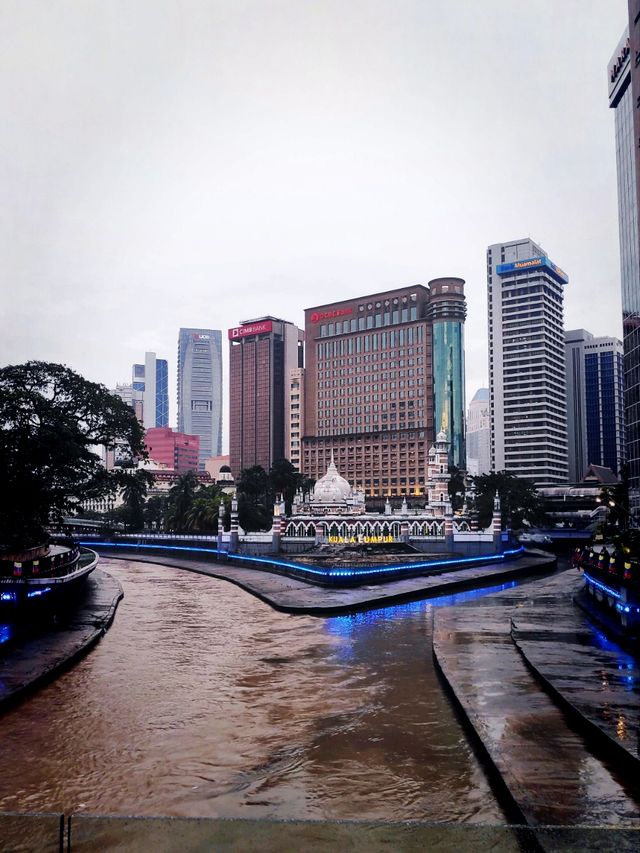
369, 389
595, 406
527, 384
200, 389
262, 355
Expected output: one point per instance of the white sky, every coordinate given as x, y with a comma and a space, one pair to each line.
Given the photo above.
197, 163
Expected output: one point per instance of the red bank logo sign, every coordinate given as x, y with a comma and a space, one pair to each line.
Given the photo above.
329, 315
251, 329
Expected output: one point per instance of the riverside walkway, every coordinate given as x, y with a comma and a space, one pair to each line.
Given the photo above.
554, 703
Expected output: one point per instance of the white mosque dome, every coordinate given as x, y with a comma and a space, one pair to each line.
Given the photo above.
332, 488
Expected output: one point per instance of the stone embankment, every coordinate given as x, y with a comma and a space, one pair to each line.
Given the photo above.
29, 662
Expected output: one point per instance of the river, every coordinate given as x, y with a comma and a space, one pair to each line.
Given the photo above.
203, 701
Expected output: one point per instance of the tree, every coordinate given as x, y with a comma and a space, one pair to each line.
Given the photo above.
254, 499
135, 486
154, 511
285, 479
51, 422
181, 497
202, 515
456, 487
519, 501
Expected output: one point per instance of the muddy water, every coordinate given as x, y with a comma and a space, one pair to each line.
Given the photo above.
203, 701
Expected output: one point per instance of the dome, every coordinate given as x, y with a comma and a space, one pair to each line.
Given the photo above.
224, 469
332, 488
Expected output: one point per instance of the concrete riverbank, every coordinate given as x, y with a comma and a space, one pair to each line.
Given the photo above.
291, 595
553, 702
29, 662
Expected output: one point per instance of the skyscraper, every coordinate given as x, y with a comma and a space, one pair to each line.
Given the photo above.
262, 355
200, 389
447, 312
527, 384
595, 406
369, 386
150, 383
624, 95
479, 434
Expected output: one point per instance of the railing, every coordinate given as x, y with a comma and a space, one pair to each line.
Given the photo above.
82, 833
55, 565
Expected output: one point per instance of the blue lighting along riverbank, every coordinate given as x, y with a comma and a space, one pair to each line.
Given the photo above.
345, 576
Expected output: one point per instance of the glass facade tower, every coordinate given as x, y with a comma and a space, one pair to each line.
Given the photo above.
447, 312
621, 99
200, 389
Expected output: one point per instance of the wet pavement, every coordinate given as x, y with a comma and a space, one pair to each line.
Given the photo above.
593, 676
550, 770
295, 596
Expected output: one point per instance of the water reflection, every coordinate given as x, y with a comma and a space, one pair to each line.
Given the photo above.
201, 700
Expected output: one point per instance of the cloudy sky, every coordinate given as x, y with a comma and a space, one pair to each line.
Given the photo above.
201, 162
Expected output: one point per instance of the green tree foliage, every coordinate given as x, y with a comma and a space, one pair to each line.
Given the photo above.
519, 501
202, 516
181, 497
154, 511
51, 422
135, 485
285, 480
456, 487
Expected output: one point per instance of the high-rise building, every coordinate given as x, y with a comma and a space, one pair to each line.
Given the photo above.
295, 431
262, 354
369, 387
150, 384
447, 312
177, 451
200, 389
624, 97
479, 434
595, 406
527, 385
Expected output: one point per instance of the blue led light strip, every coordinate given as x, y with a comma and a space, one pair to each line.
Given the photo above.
328, 573
609, 591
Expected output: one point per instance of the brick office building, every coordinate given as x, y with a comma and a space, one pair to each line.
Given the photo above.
369, 390
262, 354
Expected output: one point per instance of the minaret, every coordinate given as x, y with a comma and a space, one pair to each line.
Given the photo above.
437, 484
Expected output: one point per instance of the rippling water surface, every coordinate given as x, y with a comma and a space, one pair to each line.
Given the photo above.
203, 701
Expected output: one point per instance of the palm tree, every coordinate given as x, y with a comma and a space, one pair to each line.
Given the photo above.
181, 496
202, 516
134, 492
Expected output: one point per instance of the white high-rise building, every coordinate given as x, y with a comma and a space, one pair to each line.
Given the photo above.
479, 434
527, 385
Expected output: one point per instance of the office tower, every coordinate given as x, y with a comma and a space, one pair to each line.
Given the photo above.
624, 92
295, 431
369, 390
176, 450
262, 354
479, 434
527, 385
595, 405
150, 384
447, 312
200, 389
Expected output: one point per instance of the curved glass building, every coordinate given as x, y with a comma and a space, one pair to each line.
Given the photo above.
447, 311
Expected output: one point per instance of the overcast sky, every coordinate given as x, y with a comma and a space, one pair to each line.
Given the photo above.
198, 163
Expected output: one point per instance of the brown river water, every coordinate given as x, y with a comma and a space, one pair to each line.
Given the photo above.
203, 701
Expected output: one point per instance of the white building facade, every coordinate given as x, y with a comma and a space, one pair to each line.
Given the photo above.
527, 385
479, 434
